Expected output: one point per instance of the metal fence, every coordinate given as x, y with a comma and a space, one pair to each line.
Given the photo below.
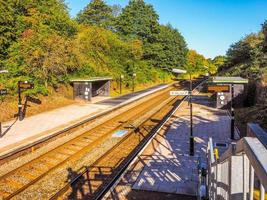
240, 169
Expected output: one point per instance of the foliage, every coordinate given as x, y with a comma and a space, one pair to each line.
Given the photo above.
248, 56
244, 50
6, 27
164, 46
197, 64
96, 13
264, 31
172, 49
42, 56
104, 51
139, 20
219, 61
40, 42
18, 16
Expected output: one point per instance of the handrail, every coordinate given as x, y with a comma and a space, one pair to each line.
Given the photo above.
246, 157
254, 130
256, 153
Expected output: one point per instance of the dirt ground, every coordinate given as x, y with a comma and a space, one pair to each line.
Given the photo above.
255, 114
56, 99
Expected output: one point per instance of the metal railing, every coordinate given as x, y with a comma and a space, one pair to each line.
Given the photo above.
234, 174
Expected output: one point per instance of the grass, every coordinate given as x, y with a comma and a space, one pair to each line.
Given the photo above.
60, 98
9, 106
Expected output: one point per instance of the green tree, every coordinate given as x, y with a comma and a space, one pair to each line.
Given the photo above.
19, 16
219, 62
139, 19
7, 33
172, 51
96, 13
104, 51
43, 56
244, 50
197, 64
264, 31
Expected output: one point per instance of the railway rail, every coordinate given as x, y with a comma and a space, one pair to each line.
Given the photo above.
97, 179
138, 121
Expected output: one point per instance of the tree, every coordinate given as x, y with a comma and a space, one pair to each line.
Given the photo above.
139, 19
43, 56
197, 64
219, 62
96, 13
116, 10
244, 50
172, 51
264, 31
247, 56
18, 16
7, 33
104, 51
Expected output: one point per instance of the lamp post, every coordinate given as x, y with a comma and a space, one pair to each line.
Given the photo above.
134, 75
20, 114
191, 148
121, 77
191, 137
232, 113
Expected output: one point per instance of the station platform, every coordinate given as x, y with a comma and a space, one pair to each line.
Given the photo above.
165, 170
18, 134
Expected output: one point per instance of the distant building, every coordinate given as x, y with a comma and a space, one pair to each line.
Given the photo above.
224, 95
86, 89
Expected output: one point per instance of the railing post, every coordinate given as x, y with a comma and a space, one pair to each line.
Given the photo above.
246, 172
251, 182
262, 192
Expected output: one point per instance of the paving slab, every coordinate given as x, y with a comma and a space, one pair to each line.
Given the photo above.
169, 168
20, 133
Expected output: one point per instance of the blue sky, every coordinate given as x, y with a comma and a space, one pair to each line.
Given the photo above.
209, 26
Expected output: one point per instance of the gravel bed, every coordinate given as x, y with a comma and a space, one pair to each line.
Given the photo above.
58, 178
55, 180
9, 166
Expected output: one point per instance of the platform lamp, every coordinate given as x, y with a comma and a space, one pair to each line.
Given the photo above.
2, 92
191, 138
191, 141
134, 75
121, 78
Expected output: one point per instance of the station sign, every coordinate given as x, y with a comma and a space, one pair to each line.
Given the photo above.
25, 85
219, 88
3, 92
179, 93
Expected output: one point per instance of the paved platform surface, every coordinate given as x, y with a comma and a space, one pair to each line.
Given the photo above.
18, 133
170, 169
167, 167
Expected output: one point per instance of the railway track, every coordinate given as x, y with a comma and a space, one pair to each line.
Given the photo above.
16, 182
95, 179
